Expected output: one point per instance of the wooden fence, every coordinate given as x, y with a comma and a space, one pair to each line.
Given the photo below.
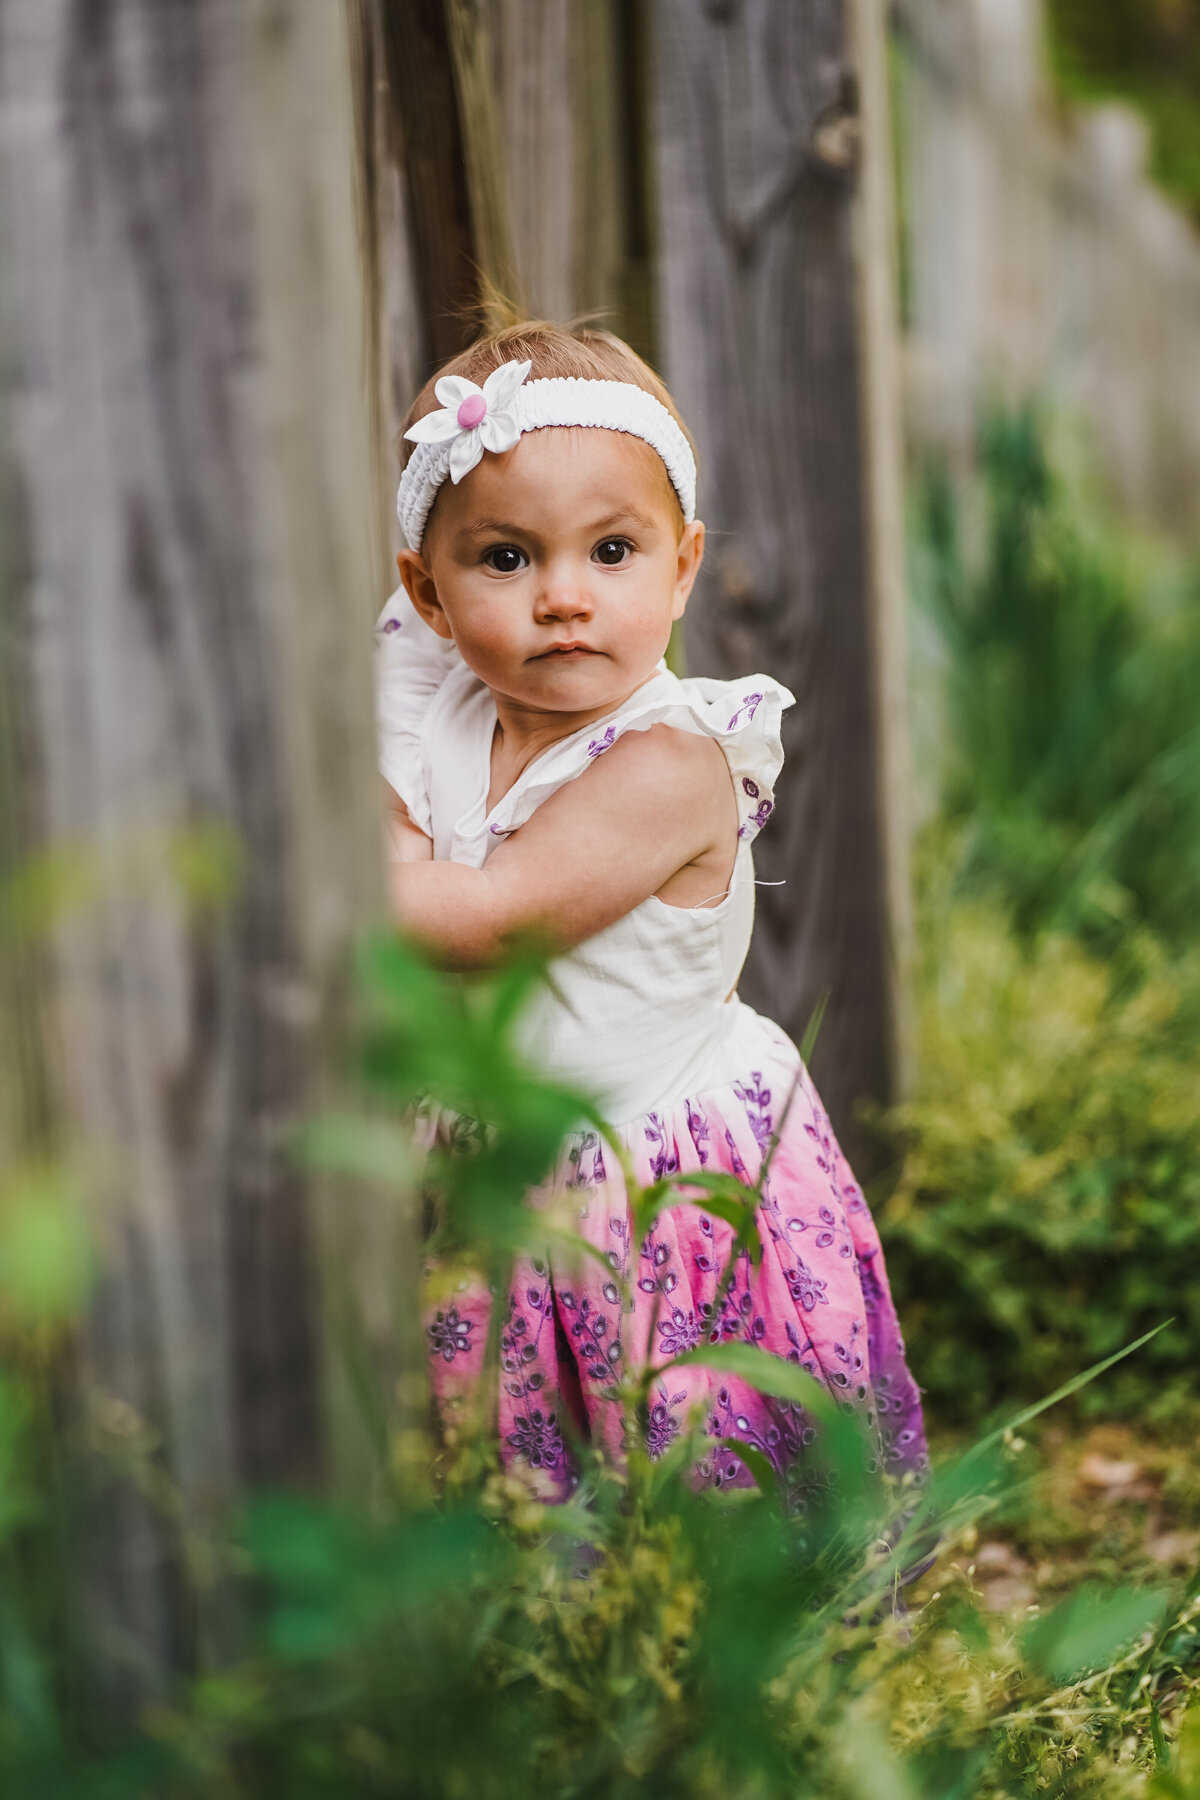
234, 235
1041, 260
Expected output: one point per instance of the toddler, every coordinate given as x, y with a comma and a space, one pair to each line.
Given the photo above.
550, 779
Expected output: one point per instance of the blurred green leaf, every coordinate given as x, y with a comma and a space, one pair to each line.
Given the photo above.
759, 1465
764, 1372
374, 1150
45, 1256
872, 1772
812, 1030
1088, 1628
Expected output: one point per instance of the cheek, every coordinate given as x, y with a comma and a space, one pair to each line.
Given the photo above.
484, 628
650, 618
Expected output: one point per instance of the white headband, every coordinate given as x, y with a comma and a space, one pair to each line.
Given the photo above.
492, 417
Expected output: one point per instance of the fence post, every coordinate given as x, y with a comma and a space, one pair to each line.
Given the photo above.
759, 164
191, 559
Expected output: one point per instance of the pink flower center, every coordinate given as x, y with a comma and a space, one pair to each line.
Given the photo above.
472, 411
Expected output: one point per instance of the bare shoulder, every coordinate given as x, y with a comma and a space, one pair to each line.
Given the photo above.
671, 766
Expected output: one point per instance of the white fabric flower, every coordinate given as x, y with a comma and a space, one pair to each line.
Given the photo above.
473, 419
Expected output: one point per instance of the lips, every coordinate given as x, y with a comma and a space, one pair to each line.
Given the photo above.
565, 652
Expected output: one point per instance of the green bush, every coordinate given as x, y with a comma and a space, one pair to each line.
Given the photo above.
1071, 753
644, 1638
1046, 1205
1047, 1208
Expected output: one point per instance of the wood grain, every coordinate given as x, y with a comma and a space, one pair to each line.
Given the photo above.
194, 486
427, 143
757, 138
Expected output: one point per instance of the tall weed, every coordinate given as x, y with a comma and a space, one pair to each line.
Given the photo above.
1046, 1187
645, 1637
1071, 753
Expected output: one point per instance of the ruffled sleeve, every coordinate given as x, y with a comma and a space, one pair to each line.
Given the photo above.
411, 664
744, 717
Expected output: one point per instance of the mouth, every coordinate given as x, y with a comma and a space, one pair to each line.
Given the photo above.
565, 653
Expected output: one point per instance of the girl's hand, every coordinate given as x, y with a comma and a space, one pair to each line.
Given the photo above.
655, 815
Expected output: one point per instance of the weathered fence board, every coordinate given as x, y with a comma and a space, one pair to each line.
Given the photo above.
758, 163
191, 554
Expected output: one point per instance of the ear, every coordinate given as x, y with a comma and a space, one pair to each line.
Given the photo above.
422, 591
687, 567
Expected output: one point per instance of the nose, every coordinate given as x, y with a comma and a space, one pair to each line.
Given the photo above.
563, 595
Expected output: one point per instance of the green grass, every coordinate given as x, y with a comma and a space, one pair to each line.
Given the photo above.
646, 1637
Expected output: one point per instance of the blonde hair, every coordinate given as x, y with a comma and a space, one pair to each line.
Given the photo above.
585, 351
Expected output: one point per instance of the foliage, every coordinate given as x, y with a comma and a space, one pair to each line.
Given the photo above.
1073, 754
644, 1637
649, 1637
1146, 52
1045, 1197
1048, 1202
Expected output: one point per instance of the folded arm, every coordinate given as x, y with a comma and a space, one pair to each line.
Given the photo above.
655, 815
406, 842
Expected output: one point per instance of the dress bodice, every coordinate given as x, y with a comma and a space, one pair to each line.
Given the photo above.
644, 1011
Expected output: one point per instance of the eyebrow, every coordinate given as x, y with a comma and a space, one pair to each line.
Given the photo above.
622, 513
480, 527
505, 527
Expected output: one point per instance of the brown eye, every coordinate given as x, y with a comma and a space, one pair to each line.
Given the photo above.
506, 559
612, 552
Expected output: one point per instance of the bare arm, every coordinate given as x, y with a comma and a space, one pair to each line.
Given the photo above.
406, 842
655, 815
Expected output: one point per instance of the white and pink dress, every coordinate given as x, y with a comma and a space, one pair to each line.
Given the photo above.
644, 1015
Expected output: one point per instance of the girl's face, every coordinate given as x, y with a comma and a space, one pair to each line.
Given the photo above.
558, 568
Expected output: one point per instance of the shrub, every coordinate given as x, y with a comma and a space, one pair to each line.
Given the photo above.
1071, 749
645, 1637
1046, 1188
1047, 1207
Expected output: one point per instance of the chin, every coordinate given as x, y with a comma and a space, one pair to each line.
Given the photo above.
576, 687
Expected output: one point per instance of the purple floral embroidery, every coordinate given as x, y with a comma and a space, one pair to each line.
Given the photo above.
537, 1438
450, 1335
733, 1318
665, 1161
853, 1362
829, 1230
589, 1330
519, 1346
852, 1195
757, 1100
500, 830
706, 1259
587, 1162
758, 819
736, 1165
679, 1334
658, 1255
661, 1428
806, 1287
391, 625
751, 787
598, 746
804, 1354
749, 706
822, 1137
698, 1126
726, 1327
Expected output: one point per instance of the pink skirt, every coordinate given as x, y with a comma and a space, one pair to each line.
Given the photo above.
819, 1298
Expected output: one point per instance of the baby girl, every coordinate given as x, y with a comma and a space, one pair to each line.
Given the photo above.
550, 780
